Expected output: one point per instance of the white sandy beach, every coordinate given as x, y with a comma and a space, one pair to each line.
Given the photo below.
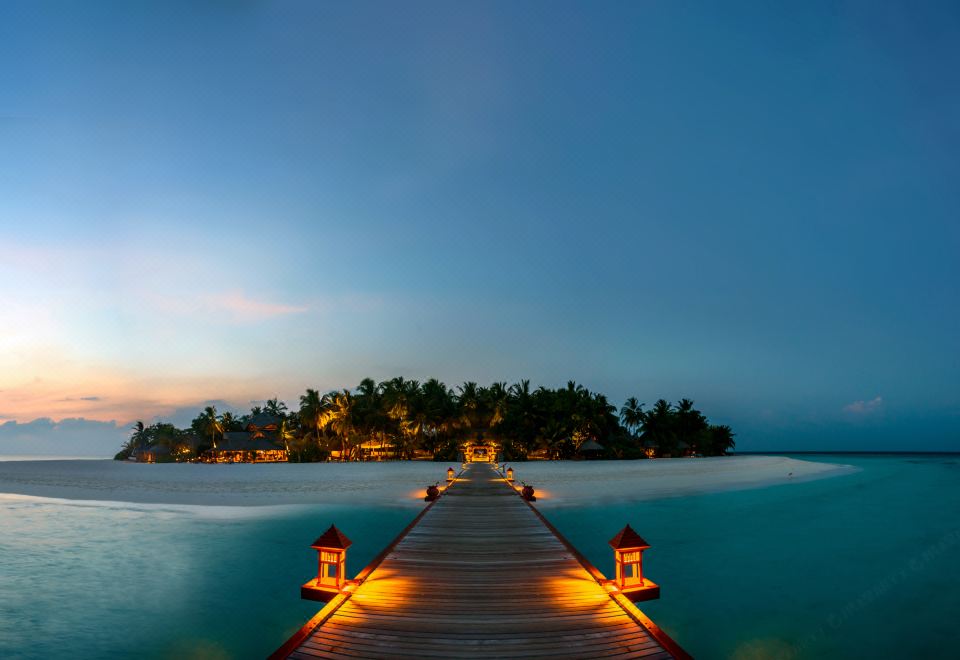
561, 483
570, 483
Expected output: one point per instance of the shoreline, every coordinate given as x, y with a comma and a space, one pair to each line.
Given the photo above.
393, 483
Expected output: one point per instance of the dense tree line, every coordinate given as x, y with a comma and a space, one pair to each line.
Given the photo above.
430, 418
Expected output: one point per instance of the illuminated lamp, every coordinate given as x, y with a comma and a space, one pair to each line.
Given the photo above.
510, 474
331, 549
451, 474
628, 547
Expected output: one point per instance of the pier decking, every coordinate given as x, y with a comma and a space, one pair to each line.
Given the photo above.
480, 574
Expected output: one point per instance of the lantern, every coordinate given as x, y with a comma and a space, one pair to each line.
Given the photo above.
628, 547
331, 577
510, 474
527, 493
451, 474
432, 493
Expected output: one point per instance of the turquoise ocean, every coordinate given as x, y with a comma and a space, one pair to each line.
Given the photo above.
854, 566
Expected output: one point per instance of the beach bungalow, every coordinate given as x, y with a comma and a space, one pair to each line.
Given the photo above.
591, 449
374, 450
650, 448
257, 444
480, 451
246, 447
153, 454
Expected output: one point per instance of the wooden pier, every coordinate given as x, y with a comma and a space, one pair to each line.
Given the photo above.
480, 573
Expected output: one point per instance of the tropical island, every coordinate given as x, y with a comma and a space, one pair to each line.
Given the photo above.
401, 419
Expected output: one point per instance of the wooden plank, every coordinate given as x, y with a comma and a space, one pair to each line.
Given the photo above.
479, 574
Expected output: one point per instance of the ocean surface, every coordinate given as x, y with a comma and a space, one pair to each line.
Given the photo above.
859, 565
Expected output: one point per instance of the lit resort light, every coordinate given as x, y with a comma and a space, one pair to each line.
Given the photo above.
331, 549
628, 547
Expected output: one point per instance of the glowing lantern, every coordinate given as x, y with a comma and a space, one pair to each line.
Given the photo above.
432, 493
628, 547
451, 474
331, 577
509, 474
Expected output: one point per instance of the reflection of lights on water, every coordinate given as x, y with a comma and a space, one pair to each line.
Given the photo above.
758, 649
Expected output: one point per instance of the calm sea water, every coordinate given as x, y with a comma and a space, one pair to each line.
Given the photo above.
859, 566
862, 565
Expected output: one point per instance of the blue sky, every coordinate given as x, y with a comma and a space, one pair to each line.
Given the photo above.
753, 206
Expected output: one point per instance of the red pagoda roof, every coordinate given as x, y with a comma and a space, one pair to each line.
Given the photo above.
627, 538
332, 538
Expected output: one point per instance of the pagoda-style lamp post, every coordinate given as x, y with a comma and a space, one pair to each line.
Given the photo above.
451, 474
628, 547
331, 549
510, 474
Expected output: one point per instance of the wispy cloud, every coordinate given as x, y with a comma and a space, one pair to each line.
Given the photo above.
864, 407
229, 306
244, 308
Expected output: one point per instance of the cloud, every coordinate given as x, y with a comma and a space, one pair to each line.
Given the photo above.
243, 308
68, 437
864, 407
230, 306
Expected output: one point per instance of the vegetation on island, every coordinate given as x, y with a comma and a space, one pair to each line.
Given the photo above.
429, 419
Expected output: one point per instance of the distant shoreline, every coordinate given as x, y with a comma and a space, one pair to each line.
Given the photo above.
845, 453
396, 483
806, 452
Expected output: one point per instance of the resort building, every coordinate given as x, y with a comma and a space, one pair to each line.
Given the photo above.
375, 450
153, 454
591, 449
686, 450
480, 451
182, 448
258, 444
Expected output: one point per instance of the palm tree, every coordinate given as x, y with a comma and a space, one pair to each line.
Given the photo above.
690, 424
285, 434
521, 422
275, 407
498, 398
338, 417
468, 400
311, 412
553, 436
137, 441
658, 426
631, 414
721, 439
369, 411
212, 424
229, 422
600, 416
140, 437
